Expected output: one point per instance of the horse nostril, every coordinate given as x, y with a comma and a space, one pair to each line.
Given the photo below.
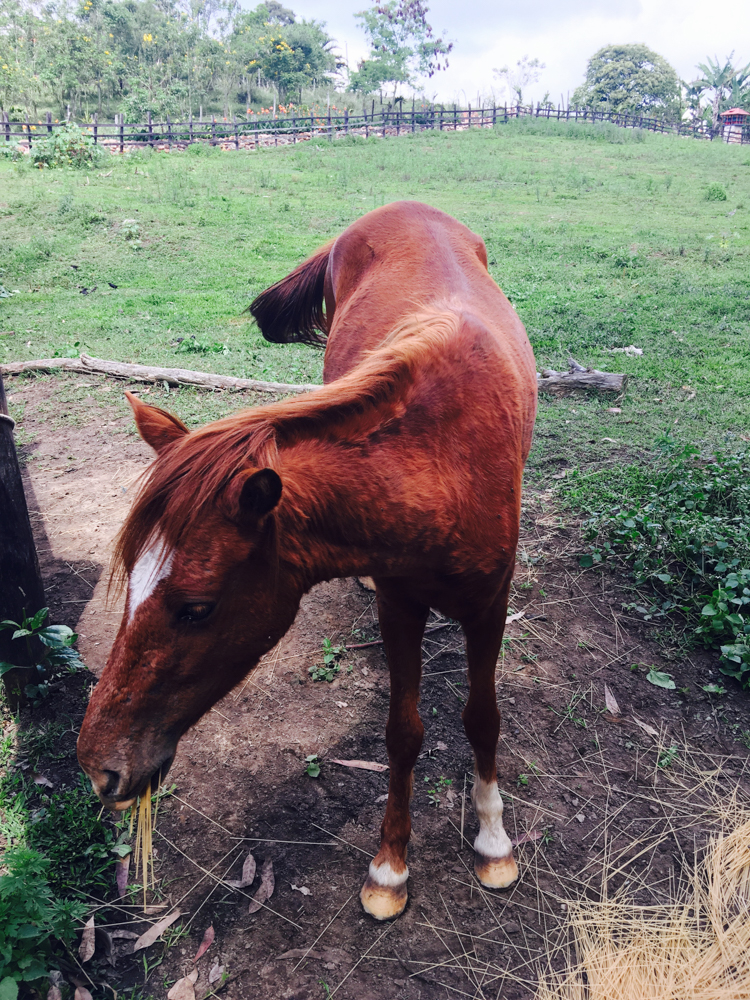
111, 783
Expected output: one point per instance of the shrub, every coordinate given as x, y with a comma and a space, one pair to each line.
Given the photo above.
715, 192
684, 528
67, 146
31, 917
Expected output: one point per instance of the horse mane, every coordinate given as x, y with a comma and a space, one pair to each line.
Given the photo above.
292, 310
189, 476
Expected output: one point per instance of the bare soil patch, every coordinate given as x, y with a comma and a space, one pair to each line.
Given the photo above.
580, 783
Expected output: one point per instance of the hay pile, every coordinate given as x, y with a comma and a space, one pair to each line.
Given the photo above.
694, 947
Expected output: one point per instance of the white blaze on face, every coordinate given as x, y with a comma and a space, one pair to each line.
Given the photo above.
153, 566
492, 840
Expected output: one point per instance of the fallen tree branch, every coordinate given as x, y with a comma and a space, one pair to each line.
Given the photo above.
580, 379
147, 373
576, 379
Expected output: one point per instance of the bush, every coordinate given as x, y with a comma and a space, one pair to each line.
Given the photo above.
67, 146
32, 919
685, 530
715, 192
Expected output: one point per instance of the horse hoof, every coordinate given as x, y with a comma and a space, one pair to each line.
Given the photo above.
496, 873
384, 902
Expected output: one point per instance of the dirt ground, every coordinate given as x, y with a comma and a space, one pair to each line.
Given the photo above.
637, 790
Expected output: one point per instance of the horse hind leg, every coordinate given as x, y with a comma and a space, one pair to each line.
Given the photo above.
384, 894
494, 863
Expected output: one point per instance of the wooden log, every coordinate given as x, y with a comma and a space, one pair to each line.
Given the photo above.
21, 590
580, 379
147, 373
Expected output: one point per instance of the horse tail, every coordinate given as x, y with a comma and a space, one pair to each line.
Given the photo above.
291, 311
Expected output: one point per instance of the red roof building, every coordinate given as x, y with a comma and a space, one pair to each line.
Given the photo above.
735, 116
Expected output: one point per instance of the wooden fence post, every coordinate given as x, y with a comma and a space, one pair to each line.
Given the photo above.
96, 128
236, 133
150, 132
49, 121
213, 130
122, 131
21, 590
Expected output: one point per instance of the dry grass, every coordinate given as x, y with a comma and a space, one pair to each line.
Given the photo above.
694, 947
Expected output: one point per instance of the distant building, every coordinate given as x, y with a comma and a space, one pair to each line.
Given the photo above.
734, 123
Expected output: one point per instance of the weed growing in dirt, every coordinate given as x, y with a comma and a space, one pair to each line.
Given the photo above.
330, 666
313, 766
440, 787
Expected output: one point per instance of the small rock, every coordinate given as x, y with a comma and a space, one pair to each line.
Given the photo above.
654, 810
511, 927
581, 817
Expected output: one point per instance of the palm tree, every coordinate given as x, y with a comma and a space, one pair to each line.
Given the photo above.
719, 79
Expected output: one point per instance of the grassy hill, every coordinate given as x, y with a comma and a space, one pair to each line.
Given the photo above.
601, 238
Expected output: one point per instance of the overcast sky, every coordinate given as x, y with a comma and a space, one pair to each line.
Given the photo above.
561, 33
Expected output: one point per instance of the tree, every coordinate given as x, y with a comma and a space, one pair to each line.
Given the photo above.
402, 46
525, 71
722, 79
631, 79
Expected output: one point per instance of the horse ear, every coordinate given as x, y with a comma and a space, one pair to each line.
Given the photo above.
260, 493
157, 427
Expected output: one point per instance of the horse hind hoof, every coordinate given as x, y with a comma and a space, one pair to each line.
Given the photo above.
384, 902
496, 873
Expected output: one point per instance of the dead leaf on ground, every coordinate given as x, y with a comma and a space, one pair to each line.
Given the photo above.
87, 946
441, 746
248, 874
121, 875
520, 614
82, 993
155, 931
265, 890
365, 765
526, 838
210, 934
301, 888
611, 702
53, 993
184, 989
645, 727
216, 973
614, 409
105, 943
129, 935
39, 779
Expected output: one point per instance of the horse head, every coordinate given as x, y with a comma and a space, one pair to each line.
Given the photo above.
203, 605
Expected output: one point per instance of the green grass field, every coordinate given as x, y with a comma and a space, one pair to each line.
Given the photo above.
600, 237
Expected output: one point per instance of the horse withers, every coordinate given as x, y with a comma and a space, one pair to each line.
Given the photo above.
405, 466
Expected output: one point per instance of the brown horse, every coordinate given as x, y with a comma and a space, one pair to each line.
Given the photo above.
406, 466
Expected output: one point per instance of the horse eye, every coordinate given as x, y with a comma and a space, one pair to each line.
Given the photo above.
195, 612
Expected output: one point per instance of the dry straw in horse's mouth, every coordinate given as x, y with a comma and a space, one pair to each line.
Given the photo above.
141, 816
694, 947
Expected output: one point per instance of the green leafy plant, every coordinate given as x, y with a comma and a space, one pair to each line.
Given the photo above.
668, 757
313, 766
330, 666
686, 534
66, 146
660, 679
57, 640
440, 787
31, 917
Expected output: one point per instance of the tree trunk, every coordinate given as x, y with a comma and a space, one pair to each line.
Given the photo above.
21, 590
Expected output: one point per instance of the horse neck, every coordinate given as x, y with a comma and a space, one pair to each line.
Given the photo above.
339, 508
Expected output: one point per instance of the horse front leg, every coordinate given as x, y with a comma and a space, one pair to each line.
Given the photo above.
494, 863
402, 625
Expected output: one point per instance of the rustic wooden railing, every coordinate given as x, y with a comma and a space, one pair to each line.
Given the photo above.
259, 130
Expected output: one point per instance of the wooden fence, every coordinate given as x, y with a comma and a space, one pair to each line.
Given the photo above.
266, 130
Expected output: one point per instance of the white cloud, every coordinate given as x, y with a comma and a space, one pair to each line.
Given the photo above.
563, 36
